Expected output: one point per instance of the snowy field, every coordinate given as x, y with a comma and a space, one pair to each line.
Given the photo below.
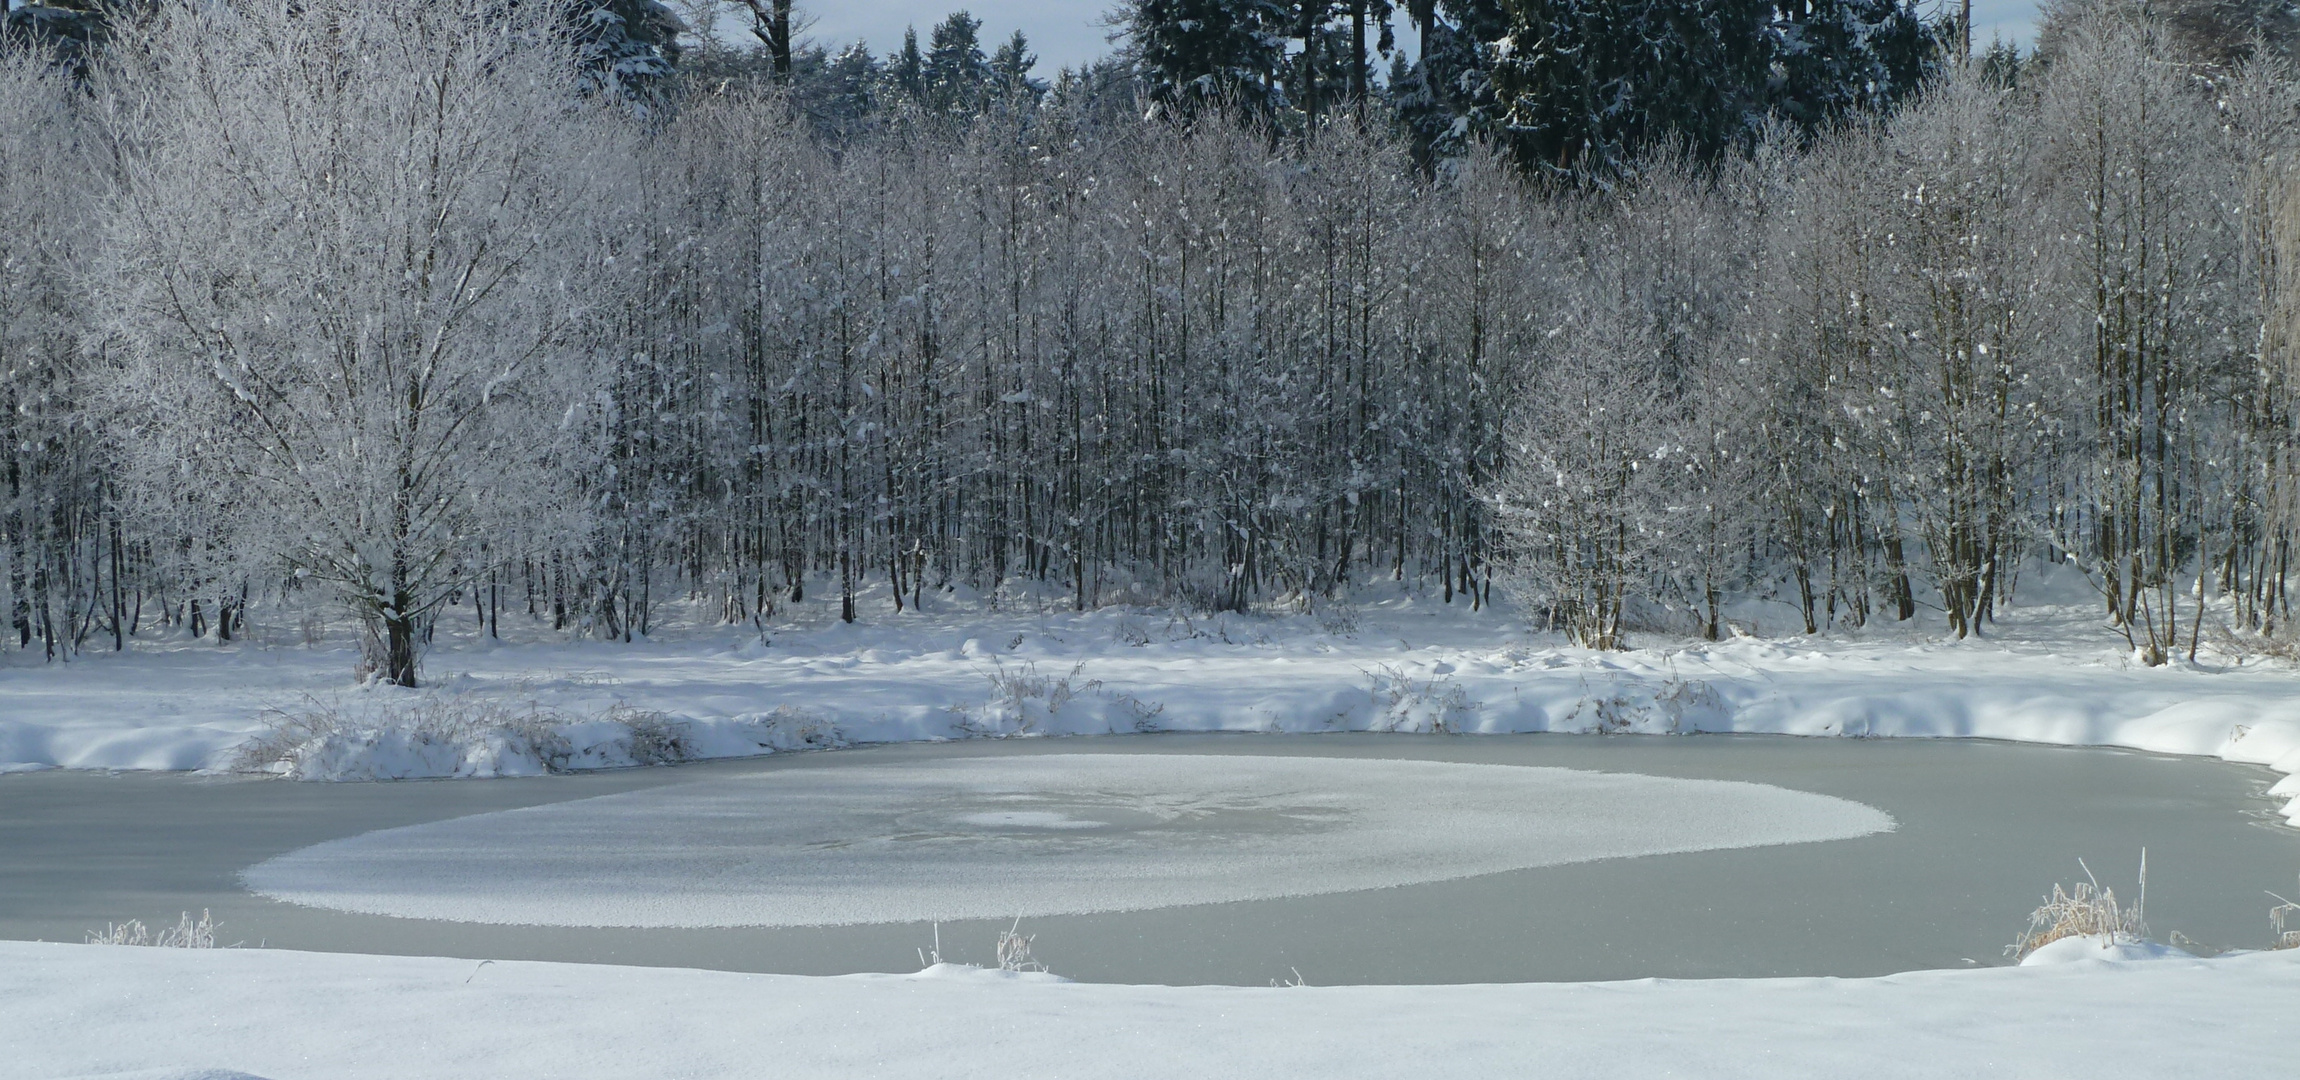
1402, 663
283, 1016
2047, 674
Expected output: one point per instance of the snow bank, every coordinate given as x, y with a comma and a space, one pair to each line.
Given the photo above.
1406, 664
76, 1010
2101, 949
1051, 834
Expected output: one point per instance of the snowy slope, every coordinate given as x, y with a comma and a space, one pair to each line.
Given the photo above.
2049, 674
77, 1010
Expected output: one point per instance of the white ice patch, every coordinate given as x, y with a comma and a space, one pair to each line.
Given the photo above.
1029, 836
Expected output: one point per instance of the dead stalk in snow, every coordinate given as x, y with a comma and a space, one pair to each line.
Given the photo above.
2086, 910
2285, 939
188, 933
1014, 949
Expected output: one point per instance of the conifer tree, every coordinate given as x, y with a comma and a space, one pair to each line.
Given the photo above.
1194, 53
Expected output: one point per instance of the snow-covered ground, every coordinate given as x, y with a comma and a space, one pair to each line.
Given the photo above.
81, 1010
2047, 674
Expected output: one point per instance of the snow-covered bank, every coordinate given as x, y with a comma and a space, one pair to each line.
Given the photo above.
76, 1010
2050, 675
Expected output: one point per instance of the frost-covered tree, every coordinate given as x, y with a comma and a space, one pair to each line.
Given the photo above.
350, 274
1952, 395
59, 553
2141, 182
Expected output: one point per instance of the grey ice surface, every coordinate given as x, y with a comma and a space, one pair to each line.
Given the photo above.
1984, 829
1060, 834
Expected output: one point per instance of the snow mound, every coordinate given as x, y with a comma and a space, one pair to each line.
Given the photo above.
975, 973
2116, 950
384, 733
67, 1010
1042, 835
170, 1074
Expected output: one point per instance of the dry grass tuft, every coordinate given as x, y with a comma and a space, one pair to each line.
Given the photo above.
188, 933
1021, 699
1014, 949
2086, 910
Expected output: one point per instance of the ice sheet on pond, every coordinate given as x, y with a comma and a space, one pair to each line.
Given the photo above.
1043, 835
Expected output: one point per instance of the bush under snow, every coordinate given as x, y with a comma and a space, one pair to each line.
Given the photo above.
383, 733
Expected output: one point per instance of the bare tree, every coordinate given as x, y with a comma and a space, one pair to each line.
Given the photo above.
351, 270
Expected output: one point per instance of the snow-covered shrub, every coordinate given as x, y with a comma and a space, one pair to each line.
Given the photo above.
2086, 910
387, 734
1338, 618
1131, 631
2278, 645
188, 933
383, 735
1678, 705
1143, 713
1680, 700
655, 738
1402, 703
788, 727
1021, 699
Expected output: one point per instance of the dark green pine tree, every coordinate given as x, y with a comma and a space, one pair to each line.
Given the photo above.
956, 74
1837, 57
1583, 87
1441, 95
1339, 39
1196, 53
906, 69
628, 46
1010, 70
70, 32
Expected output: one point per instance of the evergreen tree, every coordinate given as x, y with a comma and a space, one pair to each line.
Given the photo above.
629, 46
1193, 53
70, 31
955, 73
1010, 69
1586, 85
1446, 92
1836, 57
906, 69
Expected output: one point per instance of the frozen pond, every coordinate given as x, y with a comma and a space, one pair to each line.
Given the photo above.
1029, 836
1182, 859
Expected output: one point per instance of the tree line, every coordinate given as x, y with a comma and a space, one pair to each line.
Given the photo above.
414, 311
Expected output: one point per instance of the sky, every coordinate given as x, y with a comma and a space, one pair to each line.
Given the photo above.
1071, 32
